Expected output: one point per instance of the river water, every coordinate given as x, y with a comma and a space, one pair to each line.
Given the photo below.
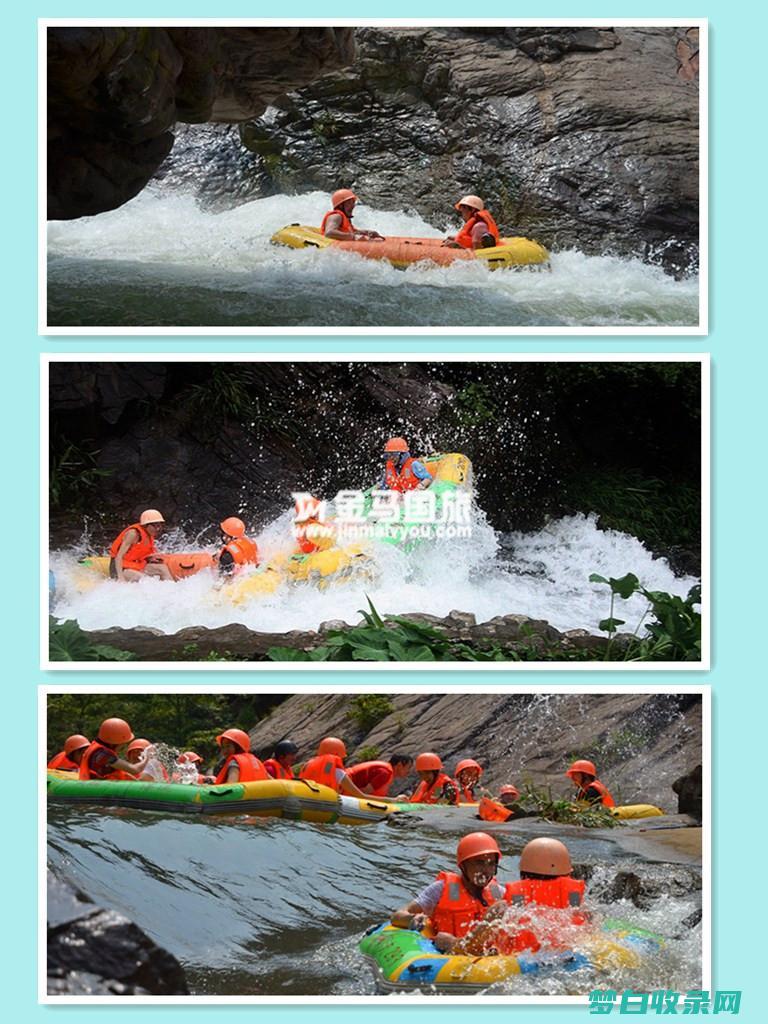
161, 260
543, 574
262, 906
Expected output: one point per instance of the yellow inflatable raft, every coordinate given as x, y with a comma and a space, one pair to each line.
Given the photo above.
403, 252
294, 799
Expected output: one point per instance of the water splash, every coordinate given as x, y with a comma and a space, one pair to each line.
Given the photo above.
162, 257
543, 575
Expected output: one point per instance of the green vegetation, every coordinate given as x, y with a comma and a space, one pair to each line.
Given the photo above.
396, 639
674, 632
563, 811
368, 709
370, 753
67, 642
73, 473
182, 720
658, 512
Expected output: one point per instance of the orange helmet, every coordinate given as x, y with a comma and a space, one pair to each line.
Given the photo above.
341, 195
138, 745
233, 527
546, 857
428, 762
188, 757
475, 845
237, 736
115, 731
396, 444
582, 766
468, 763
150, 515
76, 742
332, 745
510, 790
474, 201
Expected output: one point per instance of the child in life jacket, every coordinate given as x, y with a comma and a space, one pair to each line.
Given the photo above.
153, 769
467, 775
456, 902
552, 899
435, 786
68, 759
504, 808
102, 758
583, 775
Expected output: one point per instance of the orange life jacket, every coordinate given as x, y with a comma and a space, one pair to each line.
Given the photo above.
489, 810
457, 910
464, 237
62, 763
404, 479
559, 893
605, 797
426, 794
361, 772
137, 554
251, 768
84, 769
322, 769
307, 544
346, 223
243, 551
466, 793
276, 770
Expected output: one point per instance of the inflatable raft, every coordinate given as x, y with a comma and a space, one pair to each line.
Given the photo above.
341, 563
403, 252
293, 800
403, 961
625, 811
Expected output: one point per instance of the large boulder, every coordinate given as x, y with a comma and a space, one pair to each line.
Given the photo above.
116, 93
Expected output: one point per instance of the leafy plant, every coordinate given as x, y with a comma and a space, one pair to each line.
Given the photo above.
369, 753
73, 472
393, 639
564, 811
67, 642
368, 709
674, 632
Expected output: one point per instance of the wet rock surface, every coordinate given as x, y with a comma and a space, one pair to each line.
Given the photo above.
92, 951
689, 789
116, 93
643, 884
583, 138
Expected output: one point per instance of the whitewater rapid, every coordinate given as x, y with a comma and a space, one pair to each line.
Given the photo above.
163, 260
543, 574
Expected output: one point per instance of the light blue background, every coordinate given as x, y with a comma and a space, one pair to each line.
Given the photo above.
737, 247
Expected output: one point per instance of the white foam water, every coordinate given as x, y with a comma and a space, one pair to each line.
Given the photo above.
543, 574
222, 265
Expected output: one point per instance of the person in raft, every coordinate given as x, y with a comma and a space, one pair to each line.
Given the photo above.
280, 765
401, 471
190, 769
310, 529
545, 881
237, 763
435, 787
153, 770
337, 223
376, 777
68, 759
583, 775
102, 758
327, 768
505, 808
237, 550
456, 901
467, 775
132, 553
479, 231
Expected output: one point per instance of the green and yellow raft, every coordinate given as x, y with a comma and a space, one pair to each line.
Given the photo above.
405, 961
292, 800
403, 252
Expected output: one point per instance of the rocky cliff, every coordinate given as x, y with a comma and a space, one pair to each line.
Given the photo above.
641, 743
116, 93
